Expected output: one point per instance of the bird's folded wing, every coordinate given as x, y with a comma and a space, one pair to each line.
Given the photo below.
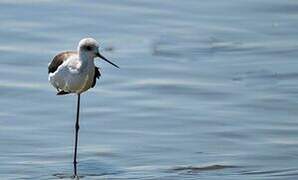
58, 60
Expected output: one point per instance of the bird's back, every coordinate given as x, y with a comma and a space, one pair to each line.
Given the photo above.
59, 59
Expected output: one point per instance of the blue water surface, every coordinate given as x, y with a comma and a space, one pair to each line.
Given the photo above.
206, 90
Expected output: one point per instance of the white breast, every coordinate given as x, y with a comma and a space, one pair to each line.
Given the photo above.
73, 75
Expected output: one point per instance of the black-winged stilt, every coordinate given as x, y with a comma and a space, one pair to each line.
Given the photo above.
75, 72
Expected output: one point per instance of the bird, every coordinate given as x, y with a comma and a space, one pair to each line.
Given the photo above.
74, 72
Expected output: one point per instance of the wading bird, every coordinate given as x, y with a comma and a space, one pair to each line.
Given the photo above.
75, 72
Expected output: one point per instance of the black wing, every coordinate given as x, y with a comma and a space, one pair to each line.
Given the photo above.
96, 76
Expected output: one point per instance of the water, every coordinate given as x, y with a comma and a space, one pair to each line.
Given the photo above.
206, 90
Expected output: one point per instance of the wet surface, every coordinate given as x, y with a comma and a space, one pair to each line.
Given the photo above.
206, 90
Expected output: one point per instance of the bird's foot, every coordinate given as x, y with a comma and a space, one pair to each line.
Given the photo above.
62, 92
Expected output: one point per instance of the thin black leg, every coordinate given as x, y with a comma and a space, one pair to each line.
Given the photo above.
77, 127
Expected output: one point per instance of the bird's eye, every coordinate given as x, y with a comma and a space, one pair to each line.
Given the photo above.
89, 48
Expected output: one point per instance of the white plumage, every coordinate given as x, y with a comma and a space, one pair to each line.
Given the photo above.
74, 75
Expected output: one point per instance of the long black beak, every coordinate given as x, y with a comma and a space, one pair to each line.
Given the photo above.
102, 57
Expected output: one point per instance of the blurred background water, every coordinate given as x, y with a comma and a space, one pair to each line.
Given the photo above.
206, 90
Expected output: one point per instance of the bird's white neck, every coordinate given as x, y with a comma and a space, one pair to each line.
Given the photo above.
86, 59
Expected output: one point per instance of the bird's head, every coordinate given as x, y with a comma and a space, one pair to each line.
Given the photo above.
90, 47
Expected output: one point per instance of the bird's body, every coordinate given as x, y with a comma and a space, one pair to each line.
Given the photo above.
75, 72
